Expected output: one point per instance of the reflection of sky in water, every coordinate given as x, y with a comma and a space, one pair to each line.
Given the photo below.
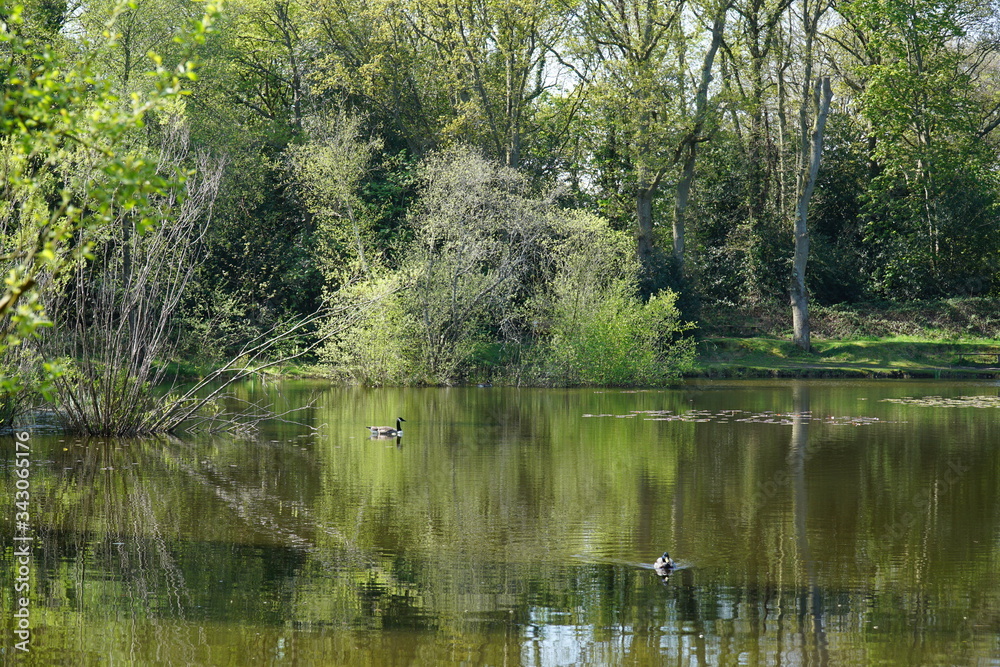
549, 643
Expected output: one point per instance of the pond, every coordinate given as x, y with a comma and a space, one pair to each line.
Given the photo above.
814, 522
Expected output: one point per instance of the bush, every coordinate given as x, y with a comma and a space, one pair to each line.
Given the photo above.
499, 282
23, 379
612, 338
381, 345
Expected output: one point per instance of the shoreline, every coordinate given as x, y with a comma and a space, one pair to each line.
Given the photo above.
771, 357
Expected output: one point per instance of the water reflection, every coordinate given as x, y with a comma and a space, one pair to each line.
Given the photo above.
798, 454
506, 527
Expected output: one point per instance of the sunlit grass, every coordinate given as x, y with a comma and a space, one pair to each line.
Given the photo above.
895, 355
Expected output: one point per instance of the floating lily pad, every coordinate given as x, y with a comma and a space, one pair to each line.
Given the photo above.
953, 402
745, 416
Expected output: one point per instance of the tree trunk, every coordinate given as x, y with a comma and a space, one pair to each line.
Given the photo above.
811, 152
644, 229
680, 208
690, 143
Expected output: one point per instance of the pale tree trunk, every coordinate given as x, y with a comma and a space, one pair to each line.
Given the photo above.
811, 148
689, 146
644, 228
680, 208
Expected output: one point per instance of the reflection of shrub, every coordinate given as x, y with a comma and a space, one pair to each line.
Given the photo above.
612, 338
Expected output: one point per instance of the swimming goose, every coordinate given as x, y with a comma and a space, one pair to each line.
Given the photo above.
387, 431
664, 565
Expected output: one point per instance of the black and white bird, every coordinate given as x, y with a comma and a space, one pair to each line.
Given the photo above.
664, 565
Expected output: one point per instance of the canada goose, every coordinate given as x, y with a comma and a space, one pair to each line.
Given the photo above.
664, 565
388, 431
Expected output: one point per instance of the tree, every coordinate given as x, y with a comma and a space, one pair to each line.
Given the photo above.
468, 71
634, 41
328, 170
140, 27
754, 62
479, 250
810, 155
933, 188
653, 81
64, 168
480, 236
373, 60
264, 60
259, 252
504, 46
116, 317
815, 97
687, 149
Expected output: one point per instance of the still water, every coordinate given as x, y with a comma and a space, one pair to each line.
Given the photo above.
815, 522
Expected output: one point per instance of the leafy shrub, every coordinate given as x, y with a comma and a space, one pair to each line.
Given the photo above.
612, 338
499, 282
23, 380
381, 343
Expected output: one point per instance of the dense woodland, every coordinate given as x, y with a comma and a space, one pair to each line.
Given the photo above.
439, 191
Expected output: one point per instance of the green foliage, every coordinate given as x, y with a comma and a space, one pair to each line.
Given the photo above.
495, 267
479, 244
381, 346
116, 315
525, 118
614, 339
64, 160
26, 379
933, 197
444, 74
738, 256
328, 170
836, 248
213, 322
590, 311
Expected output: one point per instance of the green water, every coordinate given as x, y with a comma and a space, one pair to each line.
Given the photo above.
815, 523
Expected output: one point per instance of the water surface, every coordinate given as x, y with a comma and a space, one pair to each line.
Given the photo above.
817, 522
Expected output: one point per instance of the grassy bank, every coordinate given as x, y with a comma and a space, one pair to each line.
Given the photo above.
898, 356
907, 339
765, 356
974, 319
768, 356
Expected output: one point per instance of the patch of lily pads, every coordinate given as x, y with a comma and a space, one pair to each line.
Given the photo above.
743, 416
951, 402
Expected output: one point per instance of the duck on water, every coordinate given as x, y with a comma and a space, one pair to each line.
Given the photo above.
387, 431
664, 565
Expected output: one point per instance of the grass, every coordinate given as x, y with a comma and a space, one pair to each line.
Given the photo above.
896, 356
885, 339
